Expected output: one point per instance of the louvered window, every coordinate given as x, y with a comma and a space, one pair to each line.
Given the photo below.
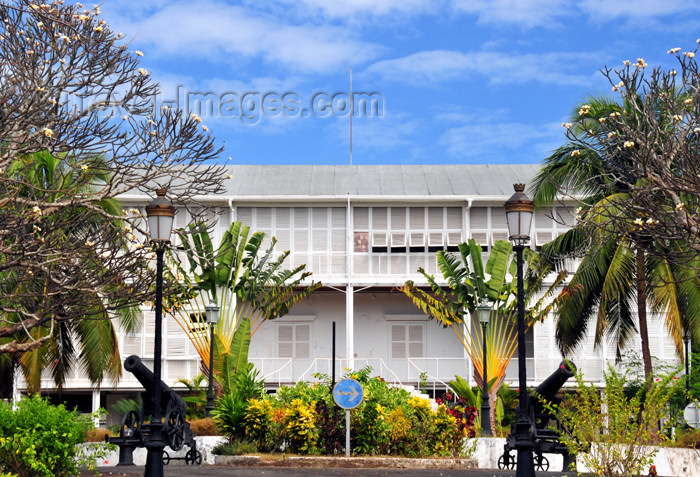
407, 340
294, 340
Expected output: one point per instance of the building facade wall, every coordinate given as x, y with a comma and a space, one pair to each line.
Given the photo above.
361, 248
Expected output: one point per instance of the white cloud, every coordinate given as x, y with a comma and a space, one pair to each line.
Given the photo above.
352, 8
223, 34
446, 65
524, 13
485, 138
372, 134
605, 10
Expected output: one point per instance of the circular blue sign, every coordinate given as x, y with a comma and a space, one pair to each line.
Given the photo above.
348, 393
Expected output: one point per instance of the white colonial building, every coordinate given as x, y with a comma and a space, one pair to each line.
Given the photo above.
362, 231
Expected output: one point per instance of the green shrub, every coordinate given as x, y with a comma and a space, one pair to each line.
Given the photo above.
613, 439
304, 419
40, 440
235, 447
231, 407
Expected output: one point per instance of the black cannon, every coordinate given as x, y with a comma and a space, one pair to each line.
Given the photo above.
544, 426
176, 431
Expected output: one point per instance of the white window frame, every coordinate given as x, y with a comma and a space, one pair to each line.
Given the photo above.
406, 341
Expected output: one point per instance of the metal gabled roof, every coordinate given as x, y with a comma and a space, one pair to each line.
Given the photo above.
376, 181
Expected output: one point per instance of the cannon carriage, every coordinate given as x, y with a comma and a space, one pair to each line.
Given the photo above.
175, 431
544, 426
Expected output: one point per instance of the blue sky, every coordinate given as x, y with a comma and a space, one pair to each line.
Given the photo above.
454, 81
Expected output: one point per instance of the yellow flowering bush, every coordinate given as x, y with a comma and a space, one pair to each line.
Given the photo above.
400, 425
300, 427
305, 419
263, 424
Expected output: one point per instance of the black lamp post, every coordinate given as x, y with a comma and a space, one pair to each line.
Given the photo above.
484, 312
161, 213
519, 209
212, 312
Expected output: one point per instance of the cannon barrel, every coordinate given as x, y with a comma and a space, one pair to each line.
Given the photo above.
548, 388
134, 365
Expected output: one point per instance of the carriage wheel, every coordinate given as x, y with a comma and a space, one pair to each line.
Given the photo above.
131, 425
174, 429
166, 458
541, 463
193, 457
506, 462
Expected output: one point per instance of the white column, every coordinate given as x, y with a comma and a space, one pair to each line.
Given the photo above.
16, 395
349, 326
96, 406
349, 291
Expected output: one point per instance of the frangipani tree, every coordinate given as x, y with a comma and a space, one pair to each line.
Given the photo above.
83, 335
624, 268
468, 285
248, 283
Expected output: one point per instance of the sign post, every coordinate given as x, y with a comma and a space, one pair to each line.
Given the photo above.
348, 394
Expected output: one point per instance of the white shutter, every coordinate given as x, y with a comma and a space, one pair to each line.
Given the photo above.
338, 240
398, 341
301, 240
320, 217
398, 218
379, 239
454, 238
499, 235
245, 215
283, 240
542, 237
338, 218
320, 240
361, 218
224, 218
567, 215
176, 340
498, 218
379, 218
398, 239
285, 339
263, 221
478, 218
302, 338
542, 221
417, 239
132, 345
481, 238
435, 218
454, 218
283, 218
417, 218
301, 218
436, 239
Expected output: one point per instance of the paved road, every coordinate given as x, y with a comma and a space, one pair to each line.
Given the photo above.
217, 471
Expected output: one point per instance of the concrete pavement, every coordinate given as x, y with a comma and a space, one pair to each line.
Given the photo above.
261, 471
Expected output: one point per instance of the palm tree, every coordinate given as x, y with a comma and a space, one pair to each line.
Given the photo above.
88, 339
248, 282
615, 276
467, 286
